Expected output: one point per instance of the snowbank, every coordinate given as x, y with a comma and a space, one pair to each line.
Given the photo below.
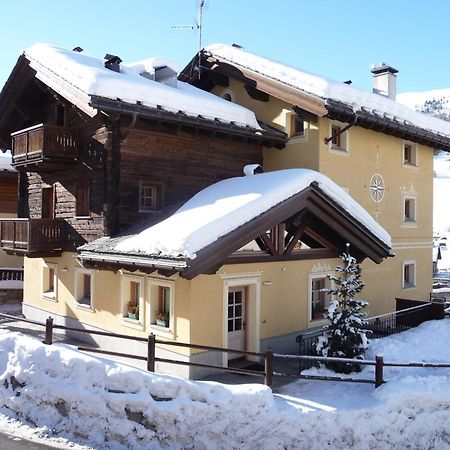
224, 206
111, 406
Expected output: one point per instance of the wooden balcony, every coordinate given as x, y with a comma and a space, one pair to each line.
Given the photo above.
44, 147
33, 237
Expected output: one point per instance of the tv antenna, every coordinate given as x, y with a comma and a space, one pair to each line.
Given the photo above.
198, 26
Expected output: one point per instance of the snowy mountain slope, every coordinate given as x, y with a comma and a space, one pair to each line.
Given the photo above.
435, 102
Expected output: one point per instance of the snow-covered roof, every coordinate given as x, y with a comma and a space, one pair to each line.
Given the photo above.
327, 89
78, 77
228, 204
5, 162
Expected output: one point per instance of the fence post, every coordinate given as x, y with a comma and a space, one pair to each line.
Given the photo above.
378, 371
48, 331
268, 367
151, 352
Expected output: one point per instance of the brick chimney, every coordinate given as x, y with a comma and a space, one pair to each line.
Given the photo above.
384, 80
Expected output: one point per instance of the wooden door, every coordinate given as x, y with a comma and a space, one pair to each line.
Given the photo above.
48, 203
236, 320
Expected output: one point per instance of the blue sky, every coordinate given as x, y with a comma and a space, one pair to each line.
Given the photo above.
336, 39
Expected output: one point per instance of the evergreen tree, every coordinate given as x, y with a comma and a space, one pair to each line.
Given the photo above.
345, 337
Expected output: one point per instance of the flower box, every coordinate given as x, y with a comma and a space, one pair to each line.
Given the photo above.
162, 323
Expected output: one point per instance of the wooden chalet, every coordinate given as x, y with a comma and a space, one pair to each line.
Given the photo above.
90, 165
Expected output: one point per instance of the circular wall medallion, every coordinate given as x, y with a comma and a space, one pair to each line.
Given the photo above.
377, 187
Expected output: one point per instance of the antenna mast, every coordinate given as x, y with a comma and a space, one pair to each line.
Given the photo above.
199, 27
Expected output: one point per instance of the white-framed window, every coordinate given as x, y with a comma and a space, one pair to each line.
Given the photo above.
150, 196
410, 154
132, 299
409, 209
84, 288
50, 280
318, 300
409, 274
339, 138
296, 127
161, 300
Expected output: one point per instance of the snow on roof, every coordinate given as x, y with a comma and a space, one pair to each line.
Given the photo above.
327, 89
87, 76
228, 204
5, 162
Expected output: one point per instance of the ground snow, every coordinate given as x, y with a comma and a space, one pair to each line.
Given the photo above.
224, 206
106, 405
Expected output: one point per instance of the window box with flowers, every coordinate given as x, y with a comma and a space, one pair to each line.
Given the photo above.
162, 319
133, 311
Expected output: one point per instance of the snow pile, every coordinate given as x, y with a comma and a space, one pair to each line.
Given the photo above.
228, 204
111, 406
325, 88
88, 76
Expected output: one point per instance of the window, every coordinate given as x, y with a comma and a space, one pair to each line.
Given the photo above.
409, 210
228, 95
132, 299
82, 198
161, 303
319, 299
409, 154
409, 275
150, 197
339, 138
297, 126
49, 280
83, 287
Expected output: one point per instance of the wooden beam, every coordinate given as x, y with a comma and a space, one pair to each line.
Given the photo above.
256, 257
295, 239
269, 244
256, 94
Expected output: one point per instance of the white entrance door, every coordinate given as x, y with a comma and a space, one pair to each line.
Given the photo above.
236, 320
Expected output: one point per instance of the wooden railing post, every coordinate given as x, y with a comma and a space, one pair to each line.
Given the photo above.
48, 331
151, 352
268, 367
378, 371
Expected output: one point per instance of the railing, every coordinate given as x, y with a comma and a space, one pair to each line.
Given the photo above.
33, 144
268, 373
379, 326
29, 236
11, 274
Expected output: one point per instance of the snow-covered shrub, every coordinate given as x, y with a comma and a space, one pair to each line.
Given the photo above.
345, 336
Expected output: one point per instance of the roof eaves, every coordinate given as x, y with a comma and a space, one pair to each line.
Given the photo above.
379, 121
274, 137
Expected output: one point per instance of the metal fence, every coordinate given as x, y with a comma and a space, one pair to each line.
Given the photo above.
379, 326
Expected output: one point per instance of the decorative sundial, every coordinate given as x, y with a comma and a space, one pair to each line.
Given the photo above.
377, 187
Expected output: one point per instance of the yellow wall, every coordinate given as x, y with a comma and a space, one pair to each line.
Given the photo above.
369, 152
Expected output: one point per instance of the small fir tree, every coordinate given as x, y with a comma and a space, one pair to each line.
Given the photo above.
345, 337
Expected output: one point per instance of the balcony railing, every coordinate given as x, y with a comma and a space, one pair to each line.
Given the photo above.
33, 237
46, 145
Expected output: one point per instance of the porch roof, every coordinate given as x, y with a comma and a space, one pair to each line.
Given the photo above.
201, 235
